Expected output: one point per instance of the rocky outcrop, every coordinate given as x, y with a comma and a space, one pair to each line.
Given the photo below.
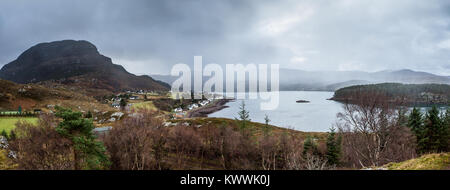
74, 63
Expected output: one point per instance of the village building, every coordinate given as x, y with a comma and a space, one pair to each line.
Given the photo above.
116, 104
178, 109
134, 97
192, 106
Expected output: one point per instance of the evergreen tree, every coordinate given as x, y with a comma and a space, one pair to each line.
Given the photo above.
446, 129
192, 96
88, 115
244, 116
333, 148
4, 134
12, 135
432, 139
88, 152
415, 123
266, 129
123, 102
447, 118
310, 147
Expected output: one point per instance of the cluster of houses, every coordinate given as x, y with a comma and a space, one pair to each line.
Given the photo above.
179, 112
116, 102
431, 97
141, 92
4, 145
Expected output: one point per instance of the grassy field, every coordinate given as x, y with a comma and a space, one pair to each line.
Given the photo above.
426, 162
5, 162
8, 123
144, 105
256, 128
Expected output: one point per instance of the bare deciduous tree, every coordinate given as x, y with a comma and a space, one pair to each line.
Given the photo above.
313, 162
40, 147
371, 131
137, 143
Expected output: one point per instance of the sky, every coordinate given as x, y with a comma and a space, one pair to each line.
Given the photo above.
150, 36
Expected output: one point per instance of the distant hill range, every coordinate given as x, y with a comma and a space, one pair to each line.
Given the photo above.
77, 64
412, 94
291, 79
333, 80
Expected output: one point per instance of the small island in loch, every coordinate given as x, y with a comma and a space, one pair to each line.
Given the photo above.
302, 101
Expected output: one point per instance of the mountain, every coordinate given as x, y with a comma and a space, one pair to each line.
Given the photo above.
291, 79
339, 85
410, 77
76, 63
166, 78
332, 80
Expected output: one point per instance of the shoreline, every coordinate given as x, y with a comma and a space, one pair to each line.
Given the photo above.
217, 105
407, 103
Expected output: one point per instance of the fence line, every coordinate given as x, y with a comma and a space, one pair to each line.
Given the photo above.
17, 114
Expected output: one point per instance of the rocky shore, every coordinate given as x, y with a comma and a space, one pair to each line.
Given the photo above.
215, 106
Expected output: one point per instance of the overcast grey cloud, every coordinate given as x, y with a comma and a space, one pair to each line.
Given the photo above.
148, 37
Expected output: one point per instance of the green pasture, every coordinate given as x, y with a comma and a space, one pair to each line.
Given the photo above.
9, 123
144, 105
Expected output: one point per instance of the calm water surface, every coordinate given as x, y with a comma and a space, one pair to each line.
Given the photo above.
317, 115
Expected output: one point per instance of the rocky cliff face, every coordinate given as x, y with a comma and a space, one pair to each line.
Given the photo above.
74, 62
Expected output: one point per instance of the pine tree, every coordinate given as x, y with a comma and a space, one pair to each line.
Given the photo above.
309, 147
88, 115
447, 118
88, 152
4, 134
12, 135
123, 102
432, 131
266, 129
333, 148
446, 130
415, 123
244, 116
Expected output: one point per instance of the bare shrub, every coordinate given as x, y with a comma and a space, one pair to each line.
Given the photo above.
313, 162
224, 143
269, 152
138, 143
185, 142
144, 143
41, 147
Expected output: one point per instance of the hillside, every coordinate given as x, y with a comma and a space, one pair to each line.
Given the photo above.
426, 162
417, 94
33, 96
74, 63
